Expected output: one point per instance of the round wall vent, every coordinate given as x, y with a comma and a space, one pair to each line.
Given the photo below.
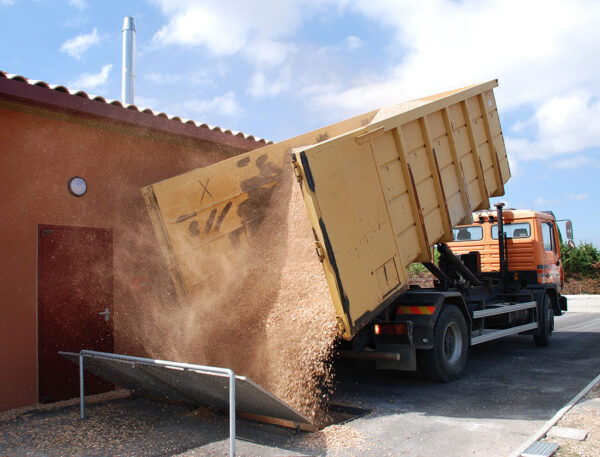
77, 186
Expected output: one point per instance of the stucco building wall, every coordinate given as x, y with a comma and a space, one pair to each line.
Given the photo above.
41, 148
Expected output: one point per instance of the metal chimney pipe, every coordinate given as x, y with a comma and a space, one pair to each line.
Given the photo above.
128, 73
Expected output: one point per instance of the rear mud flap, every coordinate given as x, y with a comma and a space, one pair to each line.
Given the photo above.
562, 302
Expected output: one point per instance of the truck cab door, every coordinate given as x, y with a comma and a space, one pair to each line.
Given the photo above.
551, 267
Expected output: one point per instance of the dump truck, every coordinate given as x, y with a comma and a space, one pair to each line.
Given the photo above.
501, 275
380, 191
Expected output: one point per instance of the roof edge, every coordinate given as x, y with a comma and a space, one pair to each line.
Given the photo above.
78, 103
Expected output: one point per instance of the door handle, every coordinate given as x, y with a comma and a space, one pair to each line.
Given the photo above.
106, 314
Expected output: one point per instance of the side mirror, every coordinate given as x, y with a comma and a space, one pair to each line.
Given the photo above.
569, 230
569, 227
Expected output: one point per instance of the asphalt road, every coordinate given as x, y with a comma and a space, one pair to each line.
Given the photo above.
510, 389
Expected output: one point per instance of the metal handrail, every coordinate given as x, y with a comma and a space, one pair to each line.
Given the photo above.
165, 363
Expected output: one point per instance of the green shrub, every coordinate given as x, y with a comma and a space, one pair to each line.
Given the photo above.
581, 260
417, 269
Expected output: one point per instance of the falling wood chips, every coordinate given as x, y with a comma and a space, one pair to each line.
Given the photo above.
270, 318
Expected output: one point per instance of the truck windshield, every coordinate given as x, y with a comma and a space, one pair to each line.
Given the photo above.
472, 233
517, 230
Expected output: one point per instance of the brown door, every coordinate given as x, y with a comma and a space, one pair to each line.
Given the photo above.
74, 288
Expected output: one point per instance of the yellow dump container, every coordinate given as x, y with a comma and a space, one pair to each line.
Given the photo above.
380, 189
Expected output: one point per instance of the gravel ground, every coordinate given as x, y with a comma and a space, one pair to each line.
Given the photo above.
585, 415
122, 425
115, 427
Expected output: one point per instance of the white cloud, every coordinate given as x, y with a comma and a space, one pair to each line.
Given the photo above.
226, 27
514, 166
7, 2
261, 86
558, 201
76, 46
88, 81
535, 48
540, 50
225, 105
572, 122
472, 40
578, 197
521, 125
562, 125
269, 52
575, 161
199, 27
546, 202
146, 102
193, 78
163, 78
79, 4
353, 42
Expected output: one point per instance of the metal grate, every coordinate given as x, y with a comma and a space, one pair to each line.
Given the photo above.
540, 449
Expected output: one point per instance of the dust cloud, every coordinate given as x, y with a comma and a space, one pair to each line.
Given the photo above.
267, 315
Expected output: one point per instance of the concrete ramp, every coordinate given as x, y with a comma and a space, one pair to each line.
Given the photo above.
192, 386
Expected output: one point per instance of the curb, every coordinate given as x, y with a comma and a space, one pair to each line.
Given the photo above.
544, 429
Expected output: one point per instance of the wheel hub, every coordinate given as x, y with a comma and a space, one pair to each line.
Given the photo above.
452, 343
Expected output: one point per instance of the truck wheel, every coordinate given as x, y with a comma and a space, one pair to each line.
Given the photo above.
447, 359
546, 322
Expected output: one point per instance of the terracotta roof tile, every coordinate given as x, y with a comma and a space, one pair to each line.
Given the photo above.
98, 98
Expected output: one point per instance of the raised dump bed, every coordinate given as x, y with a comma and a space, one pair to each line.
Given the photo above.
380, 189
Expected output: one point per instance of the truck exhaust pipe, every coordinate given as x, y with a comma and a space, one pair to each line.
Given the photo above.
502, 248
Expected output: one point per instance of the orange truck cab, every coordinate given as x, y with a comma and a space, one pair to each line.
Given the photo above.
532, 245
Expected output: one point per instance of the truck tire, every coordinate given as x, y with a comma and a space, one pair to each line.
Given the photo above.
447, 360
546, 322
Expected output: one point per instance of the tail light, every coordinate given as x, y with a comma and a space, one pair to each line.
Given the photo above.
390, 329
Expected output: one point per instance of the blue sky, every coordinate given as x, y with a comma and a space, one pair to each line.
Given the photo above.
277, 68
